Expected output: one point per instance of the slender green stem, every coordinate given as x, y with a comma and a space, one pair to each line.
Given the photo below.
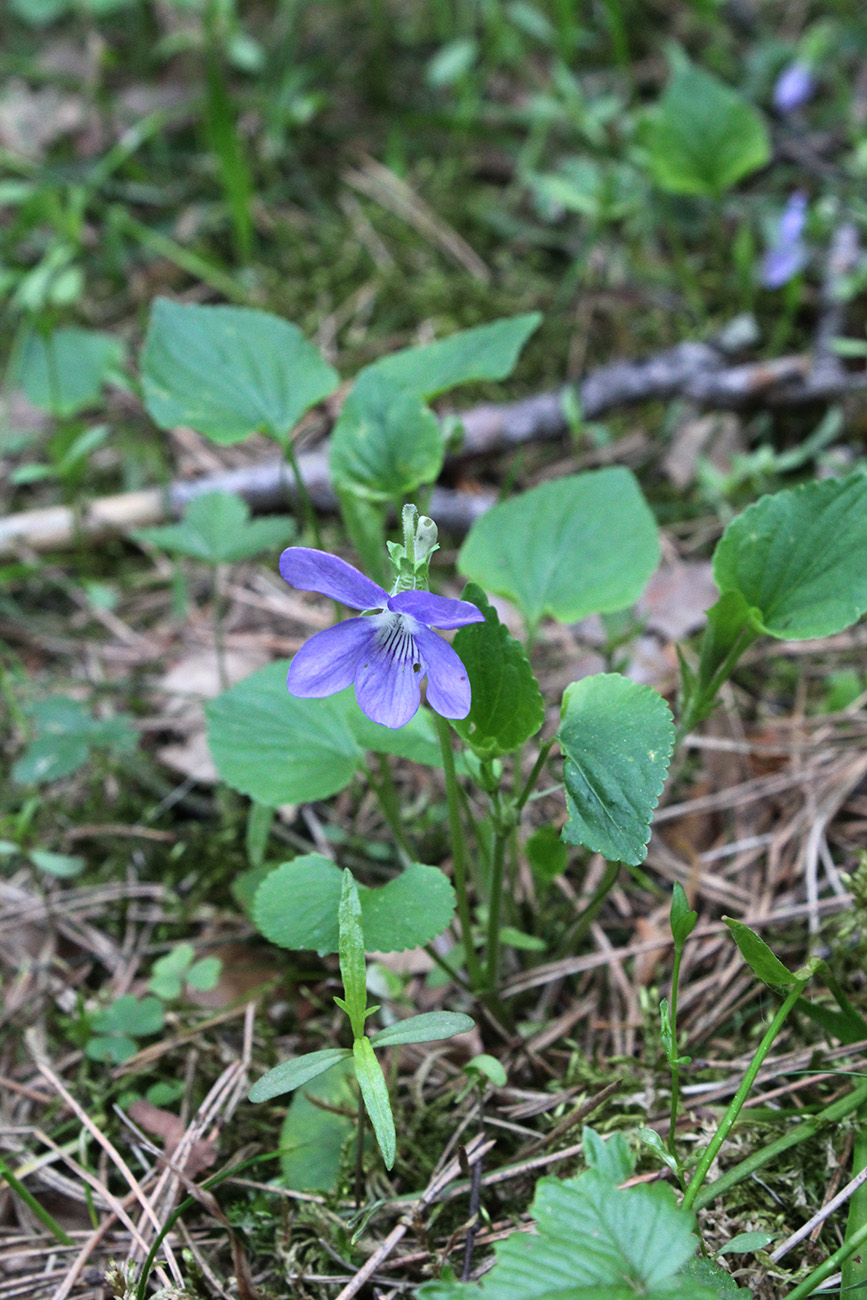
805, 1130
310, 520
736, 1104
219, 639
675, 1068
385, 791
854, 1280
449, 969
534, 775
359, 1155
501, 839
831, 1264
588, 916
459, 851
31, 1202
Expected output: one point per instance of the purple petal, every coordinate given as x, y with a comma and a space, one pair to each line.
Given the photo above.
387, 683
310, 570
436, 611
328, 662
448, 687
794, 86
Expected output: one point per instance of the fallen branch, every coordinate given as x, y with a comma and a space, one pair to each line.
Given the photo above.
699, 372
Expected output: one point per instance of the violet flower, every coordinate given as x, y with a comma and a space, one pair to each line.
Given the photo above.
793, 88
788, 253
387, 651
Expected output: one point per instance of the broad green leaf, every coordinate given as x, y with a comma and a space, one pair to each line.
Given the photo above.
608, 1156
547, 856
703, 137
617, 739
313, 1136
486, 352
65, 735
217, 529
230, 371
290, 1075
374, 1092
62, 865
278, 749
698, 1271
580, 545
799, 558
759, 957
507, 706
110, 1049
424, 1028
350, 942
204, 974
593, 1241
386, 443
64, 372
487, 1067
130, 1015
296, 907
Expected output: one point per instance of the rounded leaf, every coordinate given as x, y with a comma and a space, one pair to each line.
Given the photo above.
617, 738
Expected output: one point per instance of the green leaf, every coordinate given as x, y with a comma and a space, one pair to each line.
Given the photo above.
608, 1156
416, 741
507, 706
65, 734
547, 856
230, 371
313, 1136
651, 1138
488, 352
112, 1049
62, 865
424, 1028
703, 137
584, 544
759, 957
386, 442
296, 907
487, 1067
705, 1273
278, 749
351, 948
217, 528
204, 974
593, 1241
374, 1093
799, 558
681, 919
130, 1015
747, 1243
617, 739
64, 372
290, 1075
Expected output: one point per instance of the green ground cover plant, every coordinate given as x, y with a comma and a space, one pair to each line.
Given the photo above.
433, 563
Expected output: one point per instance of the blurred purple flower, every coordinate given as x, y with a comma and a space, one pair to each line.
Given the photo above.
387, 651
788, 253
793, 88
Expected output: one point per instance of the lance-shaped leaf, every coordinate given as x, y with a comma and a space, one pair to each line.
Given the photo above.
507, 706
425, 1028
374, 1093
351, 950
290, 1075
799, 559
230, 371
580, 545
617, 739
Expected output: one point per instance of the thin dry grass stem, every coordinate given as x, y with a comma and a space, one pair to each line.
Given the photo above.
820, 1216
114, 1156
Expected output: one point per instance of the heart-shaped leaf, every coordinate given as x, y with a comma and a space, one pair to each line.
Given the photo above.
230, 371
296, 906
580, 545
386, 442
617, 739
799, 558
507, 706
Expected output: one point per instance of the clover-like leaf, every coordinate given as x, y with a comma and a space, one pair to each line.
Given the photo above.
230, 371
507, 706
584, 544
217, 529
617, 738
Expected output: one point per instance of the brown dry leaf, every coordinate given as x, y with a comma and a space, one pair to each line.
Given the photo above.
31, 120
242, 970
649, 928
677, 597
170, 1129
716, 436
191, 681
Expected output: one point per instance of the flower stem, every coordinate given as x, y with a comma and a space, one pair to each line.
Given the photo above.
390, 805
501, 839
459, 851
736, 1103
